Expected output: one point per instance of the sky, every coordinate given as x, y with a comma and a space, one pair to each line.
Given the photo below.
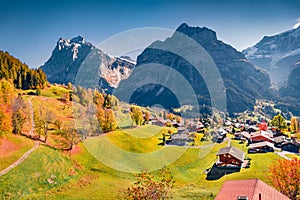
29, 29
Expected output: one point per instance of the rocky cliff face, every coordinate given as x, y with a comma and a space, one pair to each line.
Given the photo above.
277, 54
70, 55
243, 81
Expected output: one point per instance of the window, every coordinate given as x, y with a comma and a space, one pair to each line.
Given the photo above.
242, 198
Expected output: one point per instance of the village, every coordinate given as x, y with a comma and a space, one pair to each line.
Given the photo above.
259, 136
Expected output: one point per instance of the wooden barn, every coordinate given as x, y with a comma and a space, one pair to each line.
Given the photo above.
230, 157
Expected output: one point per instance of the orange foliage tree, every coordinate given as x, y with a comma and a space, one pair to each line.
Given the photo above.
6, 96
147, 187
285, 176
104, 111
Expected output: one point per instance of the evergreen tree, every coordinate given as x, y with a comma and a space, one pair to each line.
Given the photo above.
22, 76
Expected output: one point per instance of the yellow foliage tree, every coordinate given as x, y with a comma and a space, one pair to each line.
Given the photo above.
294, 125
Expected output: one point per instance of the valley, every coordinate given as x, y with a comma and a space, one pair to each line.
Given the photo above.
189, 116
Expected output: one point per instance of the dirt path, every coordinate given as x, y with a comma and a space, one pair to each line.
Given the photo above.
20, 160
36, 145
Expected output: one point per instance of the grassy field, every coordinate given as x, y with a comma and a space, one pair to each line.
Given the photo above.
91, 179
12, 147
42, 170
293, 156
54, 91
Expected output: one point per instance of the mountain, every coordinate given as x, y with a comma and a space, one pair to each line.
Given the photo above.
278, 55
244, 83
96, 67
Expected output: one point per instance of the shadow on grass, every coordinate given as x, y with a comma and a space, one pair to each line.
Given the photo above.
216, 173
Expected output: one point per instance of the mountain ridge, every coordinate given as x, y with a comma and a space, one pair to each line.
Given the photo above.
236, 71
69, 55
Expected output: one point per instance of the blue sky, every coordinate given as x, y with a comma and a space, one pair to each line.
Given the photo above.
30, 29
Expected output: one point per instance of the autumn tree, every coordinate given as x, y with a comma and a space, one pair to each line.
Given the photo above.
58, 123
171, 116
279, 122
285, 176
147, 187
104, 112
106, 119
294, 125
6, 96
147, 116
43, 117
68, 138
98, 98
178, 119
137, 115
18, 114
5, 122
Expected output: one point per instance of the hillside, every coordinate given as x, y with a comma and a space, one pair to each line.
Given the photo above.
236, 71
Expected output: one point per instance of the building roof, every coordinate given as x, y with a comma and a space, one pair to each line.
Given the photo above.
251, 188
293, 142
244, 134
261, 144
279, 139
235, 152
180, 136
263, 134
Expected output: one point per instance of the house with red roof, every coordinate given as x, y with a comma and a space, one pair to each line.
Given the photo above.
251, 189
261, 136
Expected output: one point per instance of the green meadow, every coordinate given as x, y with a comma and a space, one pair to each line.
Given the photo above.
54, 174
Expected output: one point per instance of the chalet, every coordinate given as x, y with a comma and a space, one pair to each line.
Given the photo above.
230, 157
180, 139
278, 141
195, 126
251, 128
261, 147
261, 136
251, 189
291, 146
242, 135
181, 129
158, 121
